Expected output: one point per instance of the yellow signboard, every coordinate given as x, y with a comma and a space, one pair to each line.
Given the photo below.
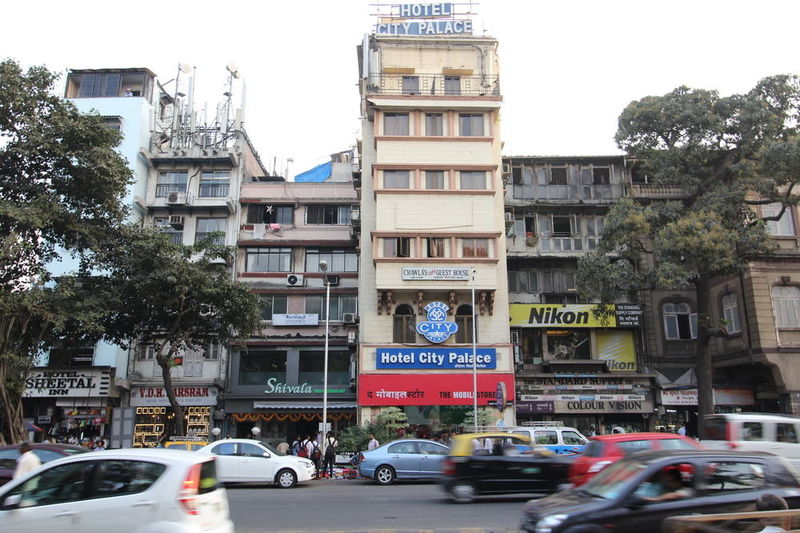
558, 316
616, 348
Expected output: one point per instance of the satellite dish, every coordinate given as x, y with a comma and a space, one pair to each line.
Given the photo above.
186, 68
233, 70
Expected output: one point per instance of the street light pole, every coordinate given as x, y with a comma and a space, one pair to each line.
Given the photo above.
474, 359
323, 266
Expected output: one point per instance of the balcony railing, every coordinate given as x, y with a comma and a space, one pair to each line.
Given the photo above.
166, 188
215, 236
434, 85
213, 190
647, 190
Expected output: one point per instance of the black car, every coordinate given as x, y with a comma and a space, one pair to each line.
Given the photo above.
635, 494
45, 451
511, 465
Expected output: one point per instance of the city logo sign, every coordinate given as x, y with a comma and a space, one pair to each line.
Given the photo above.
436, 328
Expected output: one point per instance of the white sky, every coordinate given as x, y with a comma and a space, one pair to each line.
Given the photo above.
568, 68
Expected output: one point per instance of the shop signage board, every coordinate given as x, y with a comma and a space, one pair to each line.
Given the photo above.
431, 389
157, 396
295, 319
585, 382
434, 358
425, 19
722, 396
68, 383
582, 397
435, 273
572, 316
274, 386
617, 348
585, 405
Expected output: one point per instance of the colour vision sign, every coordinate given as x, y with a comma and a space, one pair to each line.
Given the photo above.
434, 358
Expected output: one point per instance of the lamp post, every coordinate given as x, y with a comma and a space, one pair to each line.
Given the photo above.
474, 359
323, 266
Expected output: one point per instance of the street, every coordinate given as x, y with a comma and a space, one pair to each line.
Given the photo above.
360, 505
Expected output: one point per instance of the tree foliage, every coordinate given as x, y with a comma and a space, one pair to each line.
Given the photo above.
385, 428
725, 155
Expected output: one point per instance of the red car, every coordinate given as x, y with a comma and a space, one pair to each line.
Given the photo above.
603, 450
43, 450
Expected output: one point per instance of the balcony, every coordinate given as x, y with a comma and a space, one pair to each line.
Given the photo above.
648, 190
433, 85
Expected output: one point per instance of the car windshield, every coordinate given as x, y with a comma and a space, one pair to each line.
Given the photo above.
270, 448
610, 482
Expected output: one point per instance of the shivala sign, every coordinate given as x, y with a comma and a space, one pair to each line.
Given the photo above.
573, 316
433, 389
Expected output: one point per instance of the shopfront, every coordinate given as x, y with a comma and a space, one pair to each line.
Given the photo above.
679, 406
70, 403
153, 414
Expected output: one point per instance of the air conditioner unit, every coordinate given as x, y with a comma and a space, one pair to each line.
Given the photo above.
509, 218
160, 222
176, 221
349, 318
333, 280
507, 168
295, 280
176, 198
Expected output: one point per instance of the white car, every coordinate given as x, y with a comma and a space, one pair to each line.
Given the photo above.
124, 491
253, 461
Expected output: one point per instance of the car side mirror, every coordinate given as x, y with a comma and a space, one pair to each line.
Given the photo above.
12, 502
267, 455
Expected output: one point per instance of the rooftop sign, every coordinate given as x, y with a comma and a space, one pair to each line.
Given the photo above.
423, 19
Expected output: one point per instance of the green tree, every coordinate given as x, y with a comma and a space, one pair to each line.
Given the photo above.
726, 155
486, 418
175, 298
61, 190
385, 428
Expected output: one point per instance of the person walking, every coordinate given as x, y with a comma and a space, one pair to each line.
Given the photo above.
283, 448
330, 454
295, 448
373, 443
314, 453
27, 461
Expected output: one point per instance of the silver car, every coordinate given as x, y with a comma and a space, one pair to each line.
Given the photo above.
403, 459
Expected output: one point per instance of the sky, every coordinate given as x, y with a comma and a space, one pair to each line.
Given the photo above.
568, 67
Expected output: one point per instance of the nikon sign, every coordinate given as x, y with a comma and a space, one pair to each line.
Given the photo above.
572, 316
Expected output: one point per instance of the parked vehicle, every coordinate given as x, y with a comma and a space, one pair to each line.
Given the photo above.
124, 491
774, 433
253, 461
510, 465
636, 493
187, 444
555, 436
403, 459
604, 450
45, 451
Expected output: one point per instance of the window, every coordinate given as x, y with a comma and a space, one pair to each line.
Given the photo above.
472, 179
257, 367
338, 260
434, 179
328, 214
214, 184
475, 247
633, 446
557, 281
601, 175
723, 477
250, 450
210, 228
752, 431
395, 124
395, 179
464, 320
397, 247
785, 433
526, 281
272, 304
174, 234
116, 478
730, 311
545, 438
404, 328
435, 247
572, 438
429, 448
470, 125
59, 484
782, 226
410, 84
171, 181
452, 85
562, 226
675, 444
569, 344
312, 367
211, 352
339, 305
403, 447
679, 322
270, 214
434, 124
226, 448
269, 260
558, 175
147, 352
786, 304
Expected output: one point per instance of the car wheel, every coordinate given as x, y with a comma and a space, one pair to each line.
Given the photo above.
384, 475
462, 492
286, 479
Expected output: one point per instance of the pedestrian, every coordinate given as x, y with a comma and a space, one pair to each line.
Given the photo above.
330, 454
772, 502
100, 445
314, 453
27, 460
373, 442
283, 448
295, 449
682, 430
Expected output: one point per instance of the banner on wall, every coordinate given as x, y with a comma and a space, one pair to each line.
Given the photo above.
431, 389
617, 349
573, 316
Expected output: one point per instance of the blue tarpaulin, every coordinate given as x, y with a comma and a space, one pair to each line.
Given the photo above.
316, 175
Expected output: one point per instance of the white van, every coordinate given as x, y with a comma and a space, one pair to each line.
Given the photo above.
774, 433
553, 435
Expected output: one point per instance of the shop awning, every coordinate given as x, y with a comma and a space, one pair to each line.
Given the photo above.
303, 405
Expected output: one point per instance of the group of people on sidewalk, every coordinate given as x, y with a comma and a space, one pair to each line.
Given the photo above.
310, 447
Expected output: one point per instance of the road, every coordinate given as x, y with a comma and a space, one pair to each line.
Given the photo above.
358, 505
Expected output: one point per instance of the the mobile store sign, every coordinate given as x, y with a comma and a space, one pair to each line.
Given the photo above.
431, 389
435, 358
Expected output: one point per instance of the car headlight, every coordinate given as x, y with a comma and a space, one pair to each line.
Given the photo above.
546, 524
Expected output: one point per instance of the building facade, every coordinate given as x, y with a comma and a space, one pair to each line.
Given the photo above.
432, 232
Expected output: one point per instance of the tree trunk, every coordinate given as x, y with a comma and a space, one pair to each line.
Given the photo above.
12, 427
178, 425
703, 370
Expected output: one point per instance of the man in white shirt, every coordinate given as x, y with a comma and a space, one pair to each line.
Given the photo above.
373, 442
27, 461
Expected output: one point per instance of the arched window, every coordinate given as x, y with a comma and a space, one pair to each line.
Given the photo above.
786, 301
405, 324
464, 321
679, 322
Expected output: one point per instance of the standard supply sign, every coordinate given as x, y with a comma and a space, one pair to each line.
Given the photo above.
434, 358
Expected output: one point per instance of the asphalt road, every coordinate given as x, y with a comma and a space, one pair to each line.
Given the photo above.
359, 505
